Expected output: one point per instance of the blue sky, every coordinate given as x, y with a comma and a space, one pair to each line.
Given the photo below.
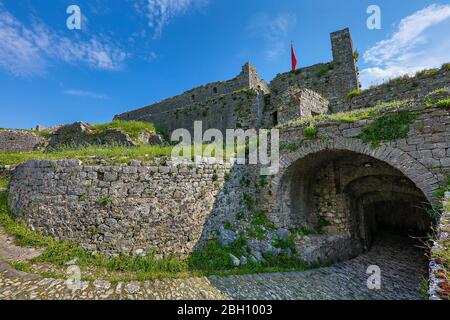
132, 53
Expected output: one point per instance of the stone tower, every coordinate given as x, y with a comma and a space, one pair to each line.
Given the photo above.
344, 62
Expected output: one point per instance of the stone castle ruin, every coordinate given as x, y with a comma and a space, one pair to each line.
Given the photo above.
249, 102
339, 189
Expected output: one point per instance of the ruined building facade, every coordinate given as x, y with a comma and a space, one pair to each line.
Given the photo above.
249, 102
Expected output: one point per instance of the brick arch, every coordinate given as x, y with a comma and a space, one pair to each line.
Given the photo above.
419, 174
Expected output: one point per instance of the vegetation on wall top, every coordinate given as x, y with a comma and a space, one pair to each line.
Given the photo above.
388, 127
132, 128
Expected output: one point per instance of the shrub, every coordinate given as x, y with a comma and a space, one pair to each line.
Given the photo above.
388, 127
398, 81
445, 67
248, 200
323, 70
294, 146
427, 72
353, 93
4, 180
105, 201
444, 103
310, 132
356, 55
260, 218
441, 91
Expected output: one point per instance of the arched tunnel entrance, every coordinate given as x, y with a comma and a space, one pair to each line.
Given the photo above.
349, 203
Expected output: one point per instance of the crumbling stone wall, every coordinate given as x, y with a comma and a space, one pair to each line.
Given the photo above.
438, 289
81, 134
332, 80
331, 203
19, 140
197, 99
399, 89
298, 103
159, 207
239, 109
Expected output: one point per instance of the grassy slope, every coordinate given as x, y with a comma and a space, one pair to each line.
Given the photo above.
212, 259
132, 128
118, 154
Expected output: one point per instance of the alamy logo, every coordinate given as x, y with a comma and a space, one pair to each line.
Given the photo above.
73, 281
374, 20
74, 20
241, 147
374, 280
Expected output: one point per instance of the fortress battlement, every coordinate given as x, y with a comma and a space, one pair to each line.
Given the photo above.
311, 90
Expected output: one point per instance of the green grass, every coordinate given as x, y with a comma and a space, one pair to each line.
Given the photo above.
324, 69
113, 154
350, 116
423, 288
356, 55
353, 93
427, 72
4, 180
399, 80
441, 253
132, 128
431, 101
441, 91
294, 146
116, 154
440, 193
443, 103
445, 67
388, 127
310, 132
23, 235
260, 218
213, 258
106, 201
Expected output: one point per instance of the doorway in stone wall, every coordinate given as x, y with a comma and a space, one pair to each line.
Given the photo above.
352, 203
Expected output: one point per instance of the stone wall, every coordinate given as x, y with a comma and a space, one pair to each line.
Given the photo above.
239, 109
427, 142
332, 80
439, 286
336, 177
247, 79
159, 207
19, 141
80, 134
298, 103
397, 89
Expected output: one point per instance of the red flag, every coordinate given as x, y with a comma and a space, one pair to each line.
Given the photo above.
293, 58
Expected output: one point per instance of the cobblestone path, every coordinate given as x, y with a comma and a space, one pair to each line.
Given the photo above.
402, 267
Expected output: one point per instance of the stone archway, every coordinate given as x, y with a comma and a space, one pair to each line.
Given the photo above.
340, 189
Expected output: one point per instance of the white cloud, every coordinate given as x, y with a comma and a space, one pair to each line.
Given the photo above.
161, 12
26, 51
272, 30
84, 94
18, 53
421, 41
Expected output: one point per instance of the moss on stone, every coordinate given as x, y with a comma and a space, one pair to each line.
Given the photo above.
349, 116
388, 127
310, 132
133, 128
353, 93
